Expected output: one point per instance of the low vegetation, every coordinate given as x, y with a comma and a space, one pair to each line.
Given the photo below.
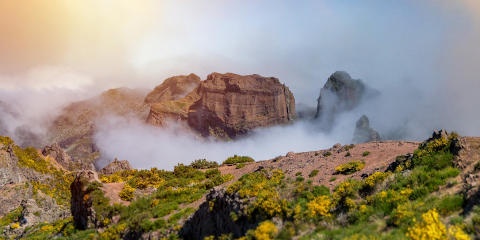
203, 164
350, 167
238, 159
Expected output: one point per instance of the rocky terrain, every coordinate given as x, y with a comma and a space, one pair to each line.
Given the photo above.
338, 192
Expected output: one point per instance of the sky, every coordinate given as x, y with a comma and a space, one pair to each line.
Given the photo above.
422, 55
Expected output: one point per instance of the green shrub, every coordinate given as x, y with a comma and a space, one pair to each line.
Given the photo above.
211, 173
127, 193
300, 179
240, 165
238, 159
313, 173
203, 164
348, 154
327, 154
332, 179
348, 147
365, 154
450, 204
350, 167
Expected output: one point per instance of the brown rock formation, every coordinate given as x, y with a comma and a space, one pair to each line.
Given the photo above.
173, 88
116, 166
73, 130
228, 105
61, 157
81, 203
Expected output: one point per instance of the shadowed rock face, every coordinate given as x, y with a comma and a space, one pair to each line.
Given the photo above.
340, 93
81, 204
228, 105
217, 220
173, 88
363, 132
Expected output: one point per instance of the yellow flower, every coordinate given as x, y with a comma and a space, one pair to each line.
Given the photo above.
265, 231
319, 206
432, 228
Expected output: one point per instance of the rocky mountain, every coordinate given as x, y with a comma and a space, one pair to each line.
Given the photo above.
173, 88
228, 105
116, 166
363, 132
73, 130
339, 94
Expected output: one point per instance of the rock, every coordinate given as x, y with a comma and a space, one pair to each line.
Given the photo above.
173, 88
116, 166
61, 157
290, 154
81, 205
340, 93
74, 128
229, 105
363, 132
214, 217
336, 146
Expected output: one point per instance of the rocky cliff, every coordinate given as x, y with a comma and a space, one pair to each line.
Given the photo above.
173, 88
339, 94
228, 105
73, 130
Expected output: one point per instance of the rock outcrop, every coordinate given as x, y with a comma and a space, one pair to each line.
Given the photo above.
60, 156
339, 94
81, 204
73, 130
228, 105
173, 88
363, 132
116, 166
214, 217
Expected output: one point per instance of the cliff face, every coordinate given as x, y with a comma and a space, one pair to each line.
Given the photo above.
73, 130
173, 88
228, 105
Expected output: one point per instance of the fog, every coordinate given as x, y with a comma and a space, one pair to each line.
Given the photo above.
422, 56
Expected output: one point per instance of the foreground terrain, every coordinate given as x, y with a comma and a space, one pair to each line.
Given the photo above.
376, 190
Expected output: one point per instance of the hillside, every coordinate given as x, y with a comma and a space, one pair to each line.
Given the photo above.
377, 190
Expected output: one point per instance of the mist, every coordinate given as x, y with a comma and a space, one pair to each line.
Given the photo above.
422, 56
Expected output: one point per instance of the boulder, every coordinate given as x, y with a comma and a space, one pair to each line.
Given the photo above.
81, 204
228, 105
214, 217
116, 166
173, 88
340, 93
363, 132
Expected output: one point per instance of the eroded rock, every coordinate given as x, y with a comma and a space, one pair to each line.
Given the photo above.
116, 166
363, 132
81, 204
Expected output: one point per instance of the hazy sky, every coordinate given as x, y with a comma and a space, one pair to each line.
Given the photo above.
138, 43
422, 55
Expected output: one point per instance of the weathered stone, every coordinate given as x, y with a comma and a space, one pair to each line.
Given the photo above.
228, 105
116, 166
81, 204
214, 217
173, 88
363, 132
61, 157
340, 93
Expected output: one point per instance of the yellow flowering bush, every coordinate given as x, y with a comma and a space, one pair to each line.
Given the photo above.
320, 206
350, 167
432, 228
265, 231
375, 178
127, 193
